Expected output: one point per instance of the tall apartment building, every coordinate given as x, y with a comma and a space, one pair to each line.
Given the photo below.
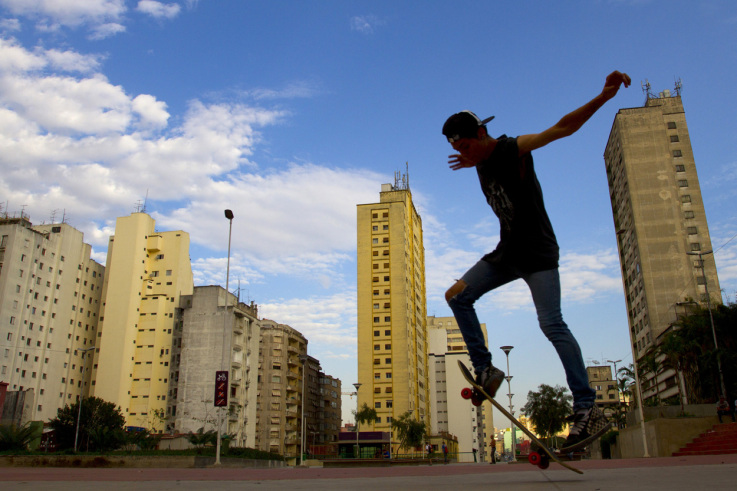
328, 419
215, 332
146, 274
281, 372
660, 222
450, 413
392, 318
50, 296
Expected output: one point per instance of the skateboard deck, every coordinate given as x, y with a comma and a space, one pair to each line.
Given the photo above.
536, 458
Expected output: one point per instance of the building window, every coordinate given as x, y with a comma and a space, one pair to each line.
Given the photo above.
673, 138
677, 153
377, 405
682, 183
695, 246
680, 168
671, 125
692, 230
685, 198
688, 214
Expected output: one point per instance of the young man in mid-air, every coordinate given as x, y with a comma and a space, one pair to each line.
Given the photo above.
527, 249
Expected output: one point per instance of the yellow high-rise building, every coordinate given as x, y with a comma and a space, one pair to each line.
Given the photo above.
392, 320
146, 272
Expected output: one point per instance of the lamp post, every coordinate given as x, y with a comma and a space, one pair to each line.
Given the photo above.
711, 318
357, 385
229, 216
616, 386
506, 350
81, 397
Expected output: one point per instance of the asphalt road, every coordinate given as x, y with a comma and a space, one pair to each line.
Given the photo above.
673, 474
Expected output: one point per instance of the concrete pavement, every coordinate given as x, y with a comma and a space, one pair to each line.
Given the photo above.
672, 473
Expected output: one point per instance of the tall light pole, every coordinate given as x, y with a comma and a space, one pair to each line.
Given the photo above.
506, 350
616, 386
229, 216
357, 385
81, 396
711, 317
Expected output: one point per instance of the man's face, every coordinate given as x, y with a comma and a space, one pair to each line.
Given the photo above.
470, 149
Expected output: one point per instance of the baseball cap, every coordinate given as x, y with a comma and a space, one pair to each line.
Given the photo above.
464, 124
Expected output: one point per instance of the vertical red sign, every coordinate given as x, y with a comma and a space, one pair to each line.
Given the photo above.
221, 388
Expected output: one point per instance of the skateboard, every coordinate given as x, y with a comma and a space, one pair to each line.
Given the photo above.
477, 396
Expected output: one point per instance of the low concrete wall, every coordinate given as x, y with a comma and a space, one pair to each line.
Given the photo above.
664, 436
169, 462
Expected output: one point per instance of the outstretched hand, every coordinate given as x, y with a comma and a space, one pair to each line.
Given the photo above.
456, 162
613, 81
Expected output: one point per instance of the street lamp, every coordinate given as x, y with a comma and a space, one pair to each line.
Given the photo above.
711, 317
229, 216
81, 396
506, 350
357, 385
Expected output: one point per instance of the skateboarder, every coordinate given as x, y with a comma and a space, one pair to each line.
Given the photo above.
527, 248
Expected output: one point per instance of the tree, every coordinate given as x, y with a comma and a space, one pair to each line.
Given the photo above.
411, 433
17, 438
365, 415
202, 438
547, 409
100, 426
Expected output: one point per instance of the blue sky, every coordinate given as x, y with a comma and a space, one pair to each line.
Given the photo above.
291, 113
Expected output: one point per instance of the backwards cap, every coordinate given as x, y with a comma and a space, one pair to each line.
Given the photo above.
464, 124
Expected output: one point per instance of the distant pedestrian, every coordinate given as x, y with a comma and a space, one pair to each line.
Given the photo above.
445, 453
723, 409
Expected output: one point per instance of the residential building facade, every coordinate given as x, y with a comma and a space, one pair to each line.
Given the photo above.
392, 331
450, 413
660, 222
215, 332
50, 297
146, 274
281, 371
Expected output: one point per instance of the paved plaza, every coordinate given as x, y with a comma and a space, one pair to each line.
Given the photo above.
672, 473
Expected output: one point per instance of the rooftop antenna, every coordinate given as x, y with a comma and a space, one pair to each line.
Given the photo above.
53, 215
646, 89
139, 206
64, 216
145, 201
679, 86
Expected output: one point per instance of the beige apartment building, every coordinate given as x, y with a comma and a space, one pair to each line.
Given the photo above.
660, 222
281, 369
601, 380
146, 274
392, 320
214, 332
473, 426
50, 297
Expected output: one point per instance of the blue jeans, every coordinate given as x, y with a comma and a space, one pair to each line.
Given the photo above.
545, 288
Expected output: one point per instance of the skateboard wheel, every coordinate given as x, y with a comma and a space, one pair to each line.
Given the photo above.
466, 393
476, 401
544, 463
534, 458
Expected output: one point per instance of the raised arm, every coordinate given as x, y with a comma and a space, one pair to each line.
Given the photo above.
570, 123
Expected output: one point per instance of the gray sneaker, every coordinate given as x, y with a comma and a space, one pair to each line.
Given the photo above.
586, 426
490, 379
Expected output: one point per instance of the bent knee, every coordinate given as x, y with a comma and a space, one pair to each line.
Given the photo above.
454, 290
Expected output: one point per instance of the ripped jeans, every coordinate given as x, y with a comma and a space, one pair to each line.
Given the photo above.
545, 288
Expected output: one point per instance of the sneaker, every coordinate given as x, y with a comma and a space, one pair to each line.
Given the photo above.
490, 379
587, 425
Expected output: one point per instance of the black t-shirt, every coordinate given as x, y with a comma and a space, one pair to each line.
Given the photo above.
527, 241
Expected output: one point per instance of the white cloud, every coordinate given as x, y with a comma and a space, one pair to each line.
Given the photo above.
365, 23
152, 112
159, 10
9, 25
101, 15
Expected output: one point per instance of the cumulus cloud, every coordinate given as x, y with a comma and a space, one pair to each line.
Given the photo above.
159, 10
101, 16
